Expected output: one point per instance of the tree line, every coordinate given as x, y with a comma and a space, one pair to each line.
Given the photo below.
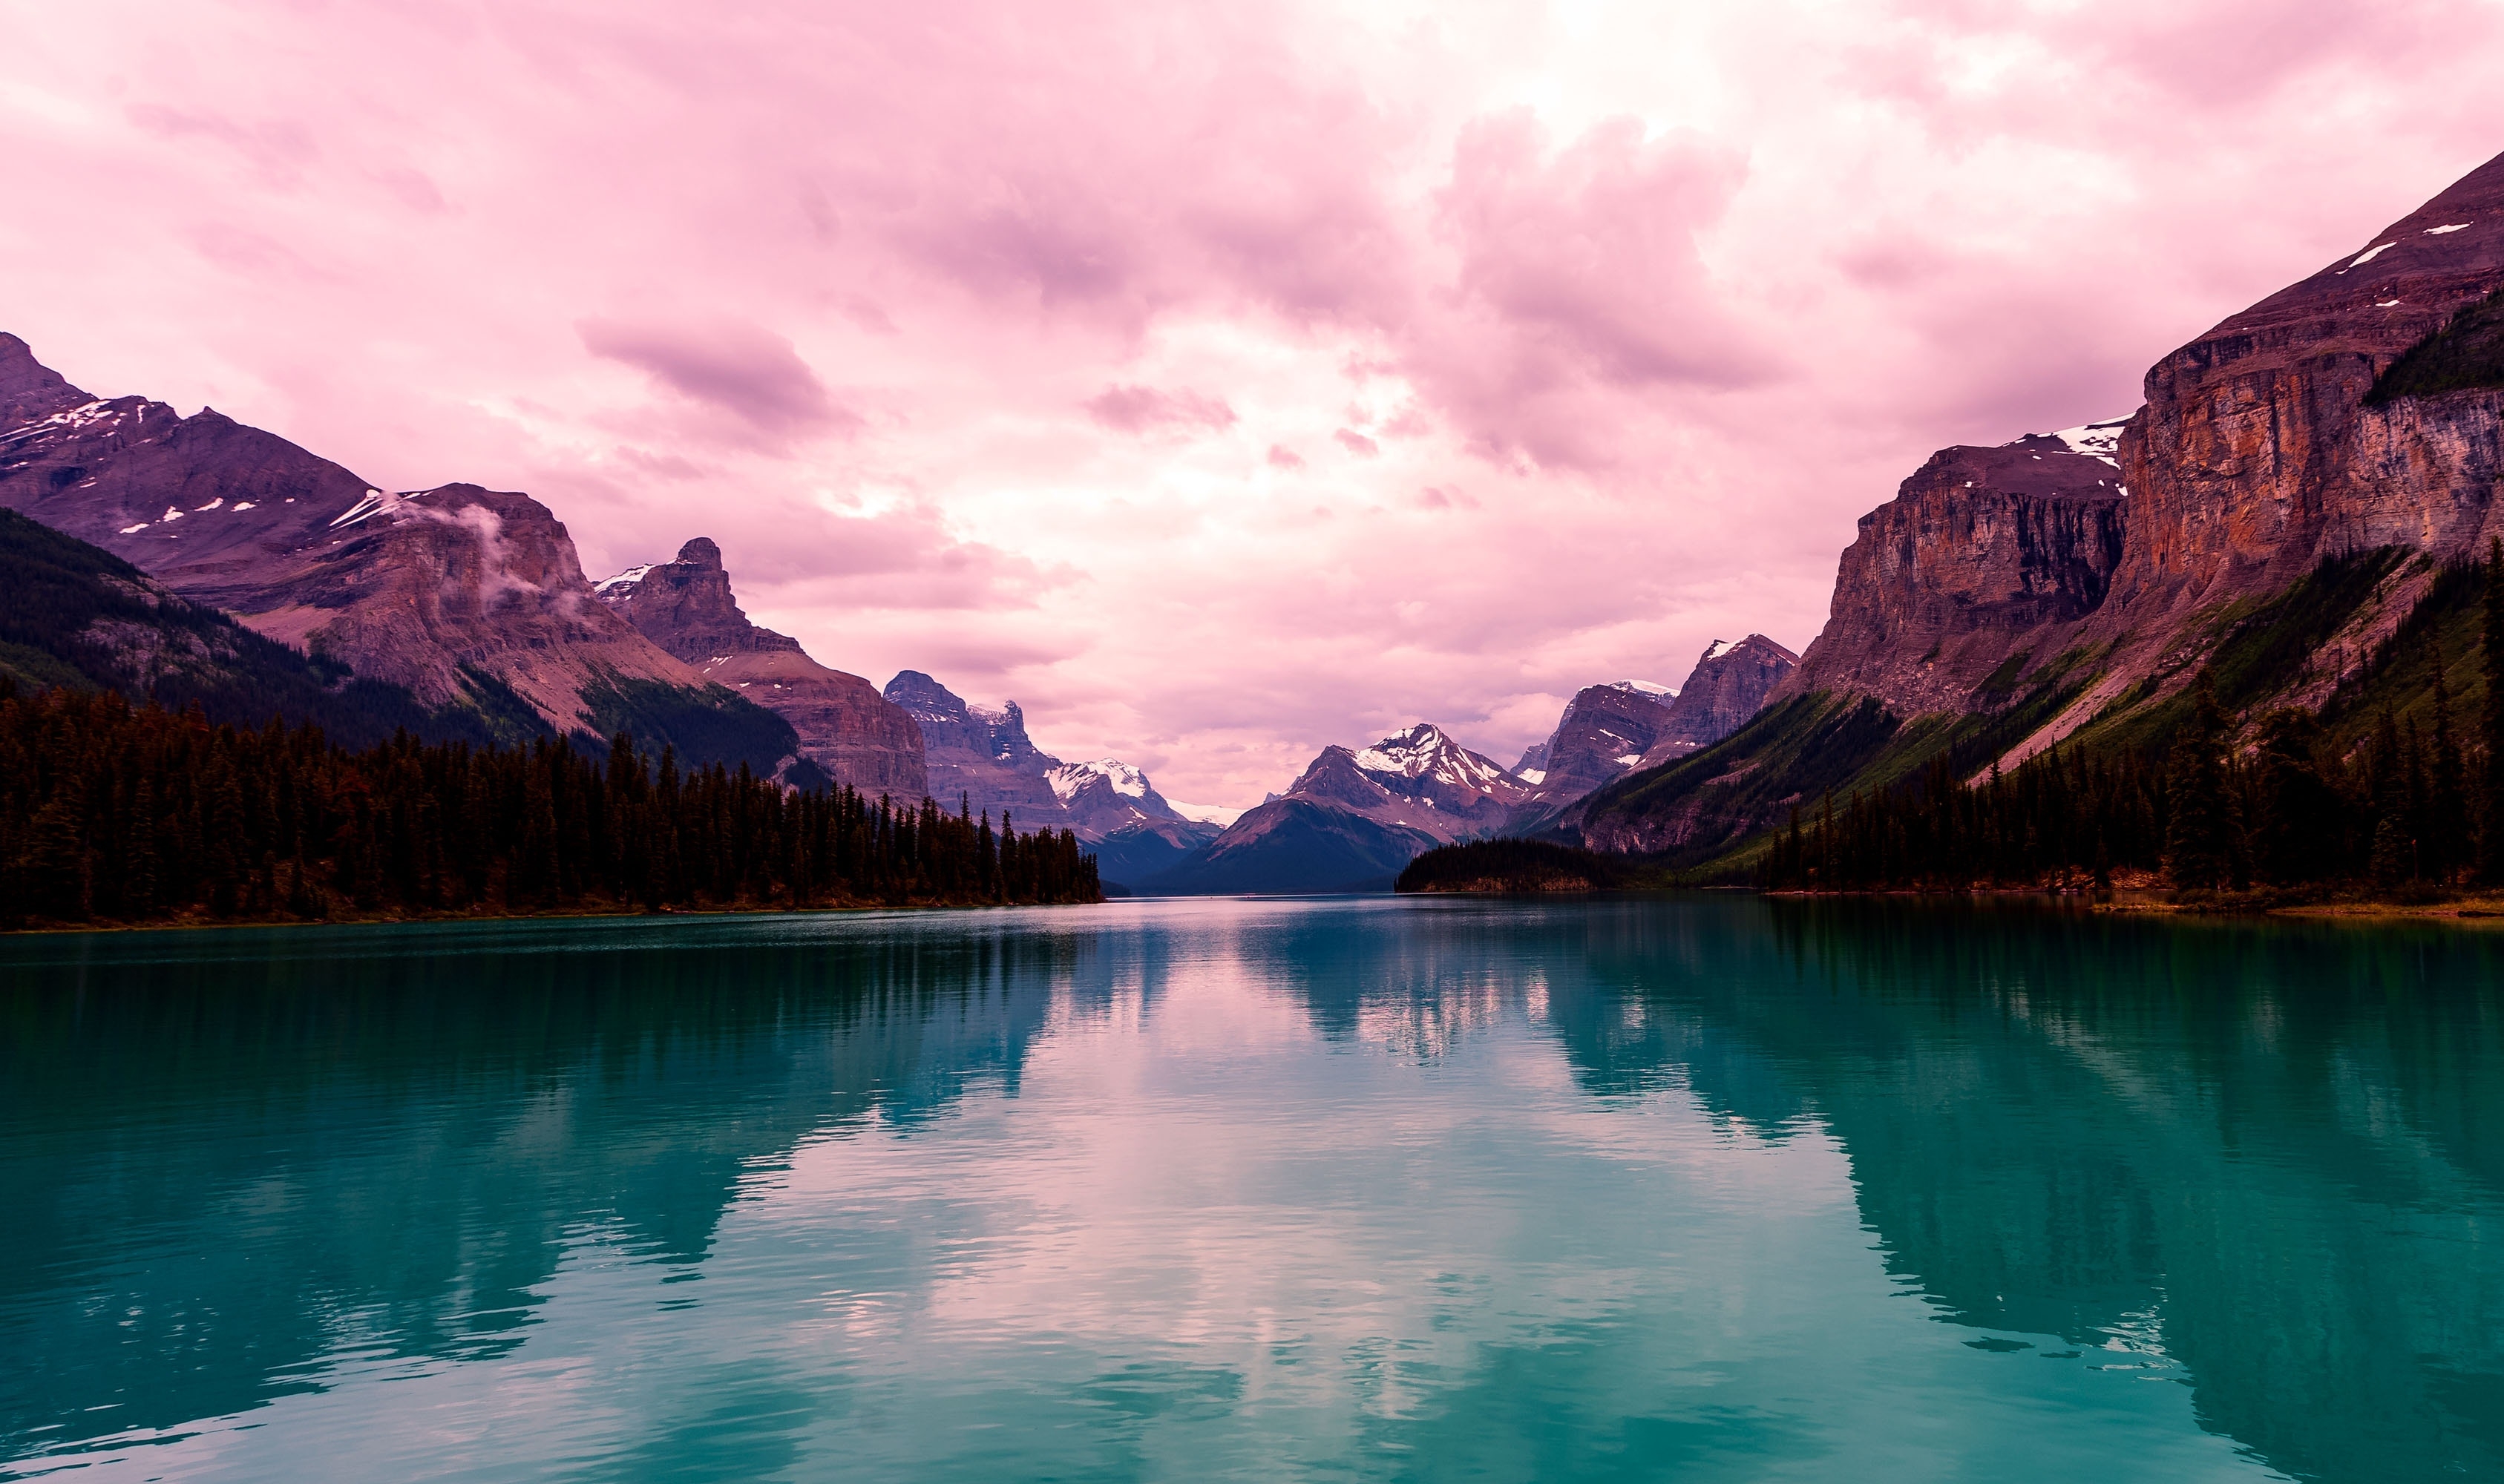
134, 813
2225, 807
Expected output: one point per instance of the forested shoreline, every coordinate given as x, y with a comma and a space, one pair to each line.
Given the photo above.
2231, 805
115, 813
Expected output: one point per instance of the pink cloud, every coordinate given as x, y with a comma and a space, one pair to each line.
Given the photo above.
1145, 409
725, 363
991, 341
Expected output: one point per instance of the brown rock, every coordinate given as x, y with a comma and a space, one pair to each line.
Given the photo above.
1984, 554
844, 725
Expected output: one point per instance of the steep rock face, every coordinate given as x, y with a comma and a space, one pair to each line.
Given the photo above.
843, 724
2261, 451
463, 596
2256, 454
1355, 817
1984, 554
1606, 729
980, 755
77, 616
1728, 686
1612, 731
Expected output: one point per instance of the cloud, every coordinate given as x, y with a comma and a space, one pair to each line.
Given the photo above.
1145, 409
725, 363
996, 348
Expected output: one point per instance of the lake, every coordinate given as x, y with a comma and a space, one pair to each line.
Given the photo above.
1690, 1188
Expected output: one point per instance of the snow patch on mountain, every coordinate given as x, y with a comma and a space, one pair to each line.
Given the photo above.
1069, 777
2096, 440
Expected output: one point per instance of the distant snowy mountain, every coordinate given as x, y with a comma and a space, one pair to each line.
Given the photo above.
1354, 817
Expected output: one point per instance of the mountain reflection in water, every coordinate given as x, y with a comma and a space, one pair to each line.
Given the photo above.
1642, 1188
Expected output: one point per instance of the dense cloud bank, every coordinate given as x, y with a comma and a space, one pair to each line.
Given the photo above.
1218, 381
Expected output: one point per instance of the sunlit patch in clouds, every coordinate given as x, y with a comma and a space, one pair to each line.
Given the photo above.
1224, 381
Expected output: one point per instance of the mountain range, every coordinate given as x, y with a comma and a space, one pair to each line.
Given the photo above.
2288, 500
2284, 507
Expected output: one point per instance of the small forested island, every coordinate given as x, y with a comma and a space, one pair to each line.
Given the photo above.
115, 813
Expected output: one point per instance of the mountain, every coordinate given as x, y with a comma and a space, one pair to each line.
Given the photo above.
1113, 806
2300, 483
978, 756
1728, 686
1353, 818
1605, 730
462, 596
81, 617
842, 723
1625, 726
985, 758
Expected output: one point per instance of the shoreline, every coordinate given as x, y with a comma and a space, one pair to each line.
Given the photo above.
405, 919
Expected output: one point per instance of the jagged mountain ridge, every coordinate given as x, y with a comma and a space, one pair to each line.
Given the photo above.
1354, 817
2008, 599
462, 596
843, 724
79, 617
1610, 731
982, 759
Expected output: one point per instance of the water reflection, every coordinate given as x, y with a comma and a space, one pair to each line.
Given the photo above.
2264, 1161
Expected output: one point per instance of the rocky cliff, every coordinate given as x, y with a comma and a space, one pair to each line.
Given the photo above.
1606, 729
465, 596
1985, 564
843, 724
1729, 684
2275, 512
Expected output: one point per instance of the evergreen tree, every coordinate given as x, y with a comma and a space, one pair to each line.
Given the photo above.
2490, 833
2200, 836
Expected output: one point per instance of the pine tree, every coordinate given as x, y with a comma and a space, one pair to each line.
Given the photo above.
2490, 833
2198, 836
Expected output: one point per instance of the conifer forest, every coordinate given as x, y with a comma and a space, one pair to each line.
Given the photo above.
2226, 804
128, 813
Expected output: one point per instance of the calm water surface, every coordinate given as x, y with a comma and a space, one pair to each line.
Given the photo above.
1679, 1189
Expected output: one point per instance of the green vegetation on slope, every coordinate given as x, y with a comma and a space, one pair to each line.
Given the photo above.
1520, 866
1815, 754
77, 616
2261, 647
2376, 798
716, 724
138, 815
2466, 354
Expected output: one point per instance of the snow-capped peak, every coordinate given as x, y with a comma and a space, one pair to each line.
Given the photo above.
1127, 781
614, 586
1425, 751
1643, 687
2096, 440
1721, 647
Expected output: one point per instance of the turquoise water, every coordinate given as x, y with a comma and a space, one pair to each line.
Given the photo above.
1679, 1189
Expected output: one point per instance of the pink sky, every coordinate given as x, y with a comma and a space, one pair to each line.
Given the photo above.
1219, 381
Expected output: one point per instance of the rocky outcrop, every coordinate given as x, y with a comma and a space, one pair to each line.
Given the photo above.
1355, 817
1624, 727
1606, 729
844, 725
465, 596
978, 756
2258, 453
1985, 556
1728, 686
